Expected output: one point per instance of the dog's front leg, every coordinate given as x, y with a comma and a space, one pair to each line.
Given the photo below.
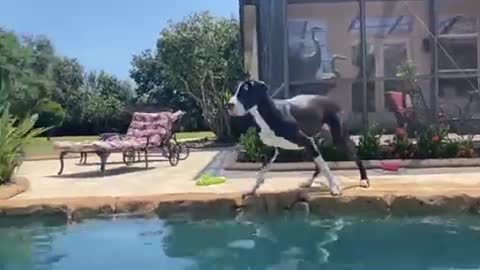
261, 174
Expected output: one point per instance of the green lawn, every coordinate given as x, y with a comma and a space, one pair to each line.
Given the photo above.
42, 147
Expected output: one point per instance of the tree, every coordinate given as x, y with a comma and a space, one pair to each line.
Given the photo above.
56, 88
105, 114
42, 53
201, 58
67, 74
152, 90
146, 72
28, 61
105, 102
110, 86
15, 134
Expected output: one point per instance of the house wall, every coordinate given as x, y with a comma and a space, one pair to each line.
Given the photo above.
336, 18
250, 45
452, 8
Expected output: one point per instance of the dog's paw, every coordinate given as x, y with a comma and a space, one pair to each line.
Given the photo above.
364, 183
306, 184
335, 191
248, 194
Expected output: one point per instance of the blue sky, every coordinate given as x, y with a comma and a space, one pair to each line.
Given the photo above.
103, 34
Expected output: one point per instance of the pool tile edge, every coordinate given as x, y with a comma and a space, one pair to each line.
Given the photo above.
231, 205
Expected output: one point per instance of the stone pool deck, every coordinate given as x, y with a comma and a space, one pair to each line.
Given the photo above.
166, 190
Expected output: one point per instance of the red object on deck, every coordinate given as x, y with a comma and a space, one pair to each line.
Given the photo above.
391, 166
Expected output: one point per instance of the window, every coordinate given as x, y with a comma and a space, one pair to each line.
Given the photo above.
458, 24
458, 39
457, 53
357, 97
308, 53
384, 26
456, 87
394, 54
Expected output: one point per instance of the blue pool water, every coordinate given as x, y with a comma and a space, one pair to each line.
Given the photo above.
341, 243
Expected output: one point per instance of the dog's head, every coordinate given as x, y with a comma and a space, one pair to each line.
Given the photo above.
247, 96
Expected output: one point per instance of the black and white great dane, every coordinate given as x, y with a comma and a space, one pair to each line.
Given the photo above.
292, 124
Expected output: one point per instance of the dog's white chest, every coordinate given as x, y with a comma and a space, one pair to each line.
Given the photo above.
267, 135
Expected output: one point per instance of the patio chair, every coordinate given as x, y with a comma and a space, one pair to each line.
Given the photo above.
147, 131
401, 107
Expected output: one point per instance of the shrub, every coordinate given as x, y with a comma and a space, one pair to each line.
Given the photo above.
369, 143
430, 141
461, 148
400, 147
50, 114
14, 136
253, 148
330, 152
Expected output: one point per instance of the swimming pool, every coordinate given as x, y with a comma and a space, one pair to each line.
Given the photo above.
340, 243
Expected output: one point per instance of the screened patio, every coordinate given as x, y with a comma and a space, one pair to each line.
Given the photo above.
350, 50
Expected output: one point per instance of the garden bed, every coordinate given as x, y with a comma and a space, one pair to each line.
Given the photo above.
433, 147
12, 189
234, 163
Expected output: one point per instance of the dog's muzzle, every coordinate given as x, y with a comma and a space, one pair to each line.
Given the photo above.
230, 107
235, 108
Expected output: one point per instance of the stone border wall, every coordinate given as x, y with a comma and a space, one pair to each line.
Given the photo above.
198, 206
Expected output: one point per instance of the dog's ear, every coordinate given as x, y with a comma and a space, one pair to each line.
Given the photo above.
260, 85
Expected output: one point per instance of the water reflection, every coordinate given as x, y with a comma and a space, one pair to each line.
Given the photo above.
25, 243
342, 243
329, 244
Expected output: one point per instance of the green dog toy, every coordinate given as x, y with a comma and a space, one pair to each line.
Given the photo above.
207, 180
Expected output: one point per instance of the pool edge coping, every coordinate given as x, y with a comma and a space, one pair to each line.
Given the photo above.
213, 204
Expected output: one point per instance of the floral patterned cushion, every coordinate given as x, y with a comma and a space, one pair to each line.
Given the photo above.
156, 126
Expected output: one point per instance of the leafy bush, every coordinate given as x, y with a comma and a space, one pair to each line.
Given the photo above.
50, 114
401, 147
461, 148
431, 143
330, 152
369, 144
254, 149
14, 136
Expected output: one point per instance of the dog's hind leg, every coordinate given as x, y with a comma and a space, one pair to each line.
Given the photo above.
310, 181
346, 145
261, 174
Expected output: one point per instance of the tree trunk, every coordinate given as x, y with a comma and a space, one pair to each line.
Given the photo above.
219, 124
49, 134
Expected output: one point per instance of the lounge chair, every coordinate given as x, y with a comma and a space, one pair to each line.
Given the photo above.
147, 131
401, 106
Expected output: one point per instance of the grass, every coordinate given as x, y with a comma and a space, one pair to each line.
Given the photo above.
42, 147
